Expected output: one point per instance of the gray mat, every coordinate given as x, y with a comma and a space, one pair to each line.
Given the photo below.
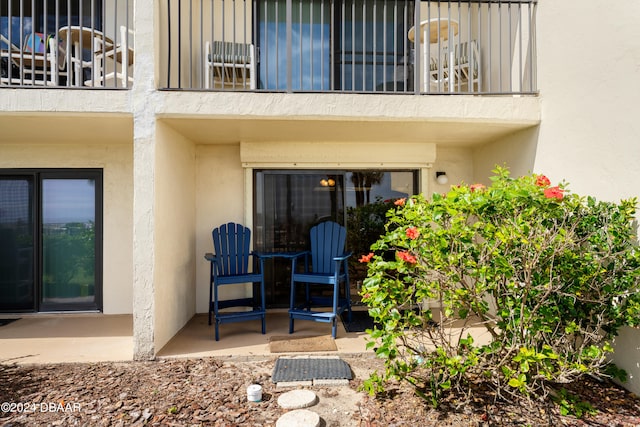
306, 369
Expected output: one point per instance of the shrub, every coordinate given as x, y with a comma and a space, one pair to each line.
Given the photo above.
520, 285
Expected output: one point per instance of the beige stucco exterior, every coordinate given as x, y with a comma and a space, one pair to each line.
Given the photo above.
216, 166
178, 163
175, 256
115, 160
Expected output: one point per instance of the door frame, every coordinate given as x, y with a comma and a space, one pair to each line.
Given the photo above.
38, 175
277, 280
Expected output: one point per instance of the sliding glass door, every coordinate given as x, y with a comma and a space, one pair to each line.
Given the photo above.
302, 41
17, 243
51, 237
288, 203
69, 214
351, 45
373, 50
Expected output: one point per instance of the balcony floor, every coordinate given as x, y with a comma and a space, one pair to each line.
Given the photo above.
102, 338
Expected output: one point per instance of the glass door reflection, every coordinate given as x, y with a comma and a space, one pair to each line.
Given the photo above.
68, 243
17, 242
288, 204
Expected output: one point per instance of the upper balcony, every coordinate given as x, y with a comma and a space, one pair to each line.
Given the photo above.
479, 47
64, 43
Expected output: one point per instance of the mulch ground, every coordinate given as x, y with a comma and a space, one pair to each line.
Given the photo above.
212, 392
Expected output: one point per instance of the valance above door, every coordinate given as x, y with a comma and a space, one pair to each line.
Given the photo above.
337, 155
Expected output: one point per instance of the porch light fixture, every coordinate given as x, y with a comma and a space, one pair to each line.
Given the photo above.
442, 178
327, 182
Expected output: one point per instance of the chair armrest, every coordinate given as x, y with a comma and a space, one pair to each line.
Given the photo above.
270, 255
209, 256
263, 255
299, 254
343, 257
294, 260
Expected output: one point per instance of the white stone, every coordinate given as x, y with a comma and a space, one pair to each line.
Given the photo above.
297, 399
299, 418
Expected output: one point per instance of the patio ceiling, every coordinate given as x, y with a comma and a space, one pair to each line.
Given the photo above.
118, 129
449, 133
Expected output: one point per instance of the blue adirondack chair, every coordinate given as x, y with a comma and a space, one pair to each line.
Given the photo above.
230, 266
328, 271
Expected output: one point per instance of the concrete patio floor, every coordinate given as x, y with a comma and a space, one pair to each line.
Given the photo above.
66, 338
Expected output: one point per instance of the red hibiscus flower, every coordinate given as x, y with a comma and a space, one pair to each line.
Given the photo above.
477, 187
400, 202
542, 181
407, 257
553, 193
412, 233
366, 258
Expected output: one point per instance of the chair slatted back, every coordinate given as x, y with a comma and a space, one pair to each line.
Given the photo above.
327, 241
433, 64
232, 244
463, 53
231, 53
466, 53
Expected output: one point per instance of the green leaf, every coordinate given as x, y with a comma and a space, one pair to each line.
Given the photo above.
515, 383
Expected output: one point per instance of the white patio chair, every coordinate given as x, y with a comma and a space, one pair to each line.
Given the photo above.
230, 64
467, 64
114, 65
75, 40
438, 79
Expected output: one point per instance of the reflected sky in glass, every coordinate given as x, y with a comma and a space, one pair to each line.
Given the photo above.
68, 200
309, 56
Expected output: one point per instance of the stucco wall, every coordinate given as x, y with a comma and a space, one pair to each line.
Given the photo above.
116, 162
587, 74
457, 163
219, 199
174, 272
516, 151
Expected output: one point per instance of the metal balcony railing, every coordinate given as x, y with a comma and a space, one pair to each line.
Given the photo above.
65, 43
364, 46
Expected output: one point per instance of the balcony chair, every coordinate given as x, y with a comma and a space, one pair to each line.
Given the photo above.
468, 63
230, 64
113, 65
230, 266
77, 41
32, 64
329, 268
466, 59
438, 79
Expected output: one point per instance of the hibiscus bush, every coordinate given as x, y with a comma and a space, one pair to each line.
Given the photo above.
520, 286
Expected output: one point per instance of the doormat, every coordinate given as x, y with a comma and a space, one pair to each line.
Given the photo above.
360, 321
289, 369
292, 344
4, 322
